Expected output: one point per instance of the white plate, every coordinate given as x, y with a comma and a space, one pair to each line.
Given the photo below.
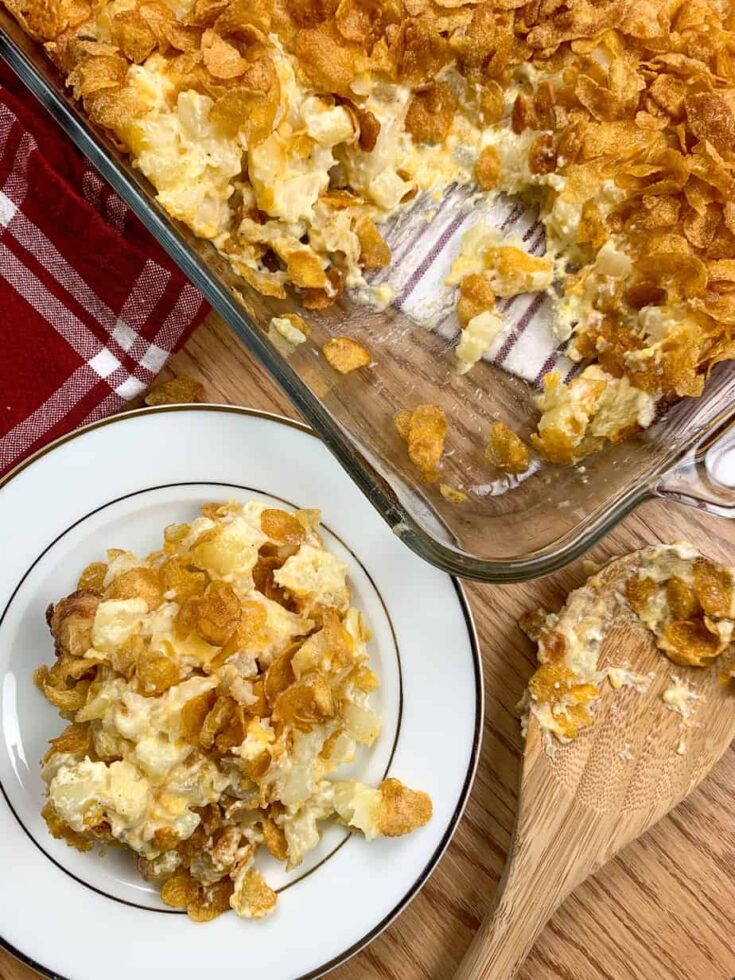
116, 484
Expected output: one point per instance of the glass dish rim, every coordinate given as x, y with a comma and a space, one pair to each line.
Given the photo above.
375, 487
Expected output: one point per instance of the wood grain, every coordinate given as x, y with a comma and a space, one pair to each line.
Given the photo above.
664, 909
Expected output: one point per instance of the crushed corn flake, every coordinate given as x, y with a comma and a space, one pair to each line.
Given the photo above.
506, 450
181, 389
345, 355
424, 430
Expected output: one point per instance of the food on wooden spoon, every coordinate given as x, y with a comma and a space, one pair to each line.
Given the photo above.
648, 732
686, 602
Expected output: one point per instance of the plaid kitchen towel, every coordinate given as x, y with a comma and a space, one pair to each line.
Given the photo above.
90, 306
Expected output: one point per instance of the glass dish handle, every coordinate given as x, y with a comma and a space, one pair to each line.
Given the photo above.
705, 476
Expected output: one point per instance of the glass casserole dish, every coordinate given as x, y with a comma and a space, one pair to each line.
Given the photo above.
510, 528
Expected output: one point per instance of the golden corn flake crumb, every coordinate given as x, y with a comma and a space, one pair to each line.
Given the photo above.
487, 169
252, 898
431, 113
424, 431
92, 576
452, 494
177, 390
374, 253
686, 602
532, 622
401, 810
506, 450
476, 296
345, 355
211, 692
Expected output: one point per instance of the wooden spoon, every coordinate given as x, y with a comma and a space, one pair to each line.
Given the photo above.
582, 805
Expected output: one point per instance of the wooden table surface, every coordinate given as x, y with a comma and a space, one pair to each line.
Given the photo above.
663, 910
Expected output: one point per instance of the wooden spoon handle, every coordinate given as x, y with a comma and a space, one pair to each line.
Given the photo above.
546, 861
524, 905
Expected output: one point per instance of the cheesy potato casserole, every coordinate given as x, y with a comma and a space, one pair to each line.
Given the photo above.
684, 600
287, 132
212, 690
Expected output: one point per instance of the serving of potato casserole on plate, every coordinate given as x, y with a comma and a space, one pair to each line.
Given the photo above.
246, 703
211, 689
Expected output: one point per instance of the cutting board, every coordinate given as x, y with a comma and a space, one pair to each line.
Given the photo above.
664, 909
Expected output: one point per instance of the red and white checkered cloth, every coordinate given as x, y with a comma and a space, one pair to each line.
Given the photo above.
90, 306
